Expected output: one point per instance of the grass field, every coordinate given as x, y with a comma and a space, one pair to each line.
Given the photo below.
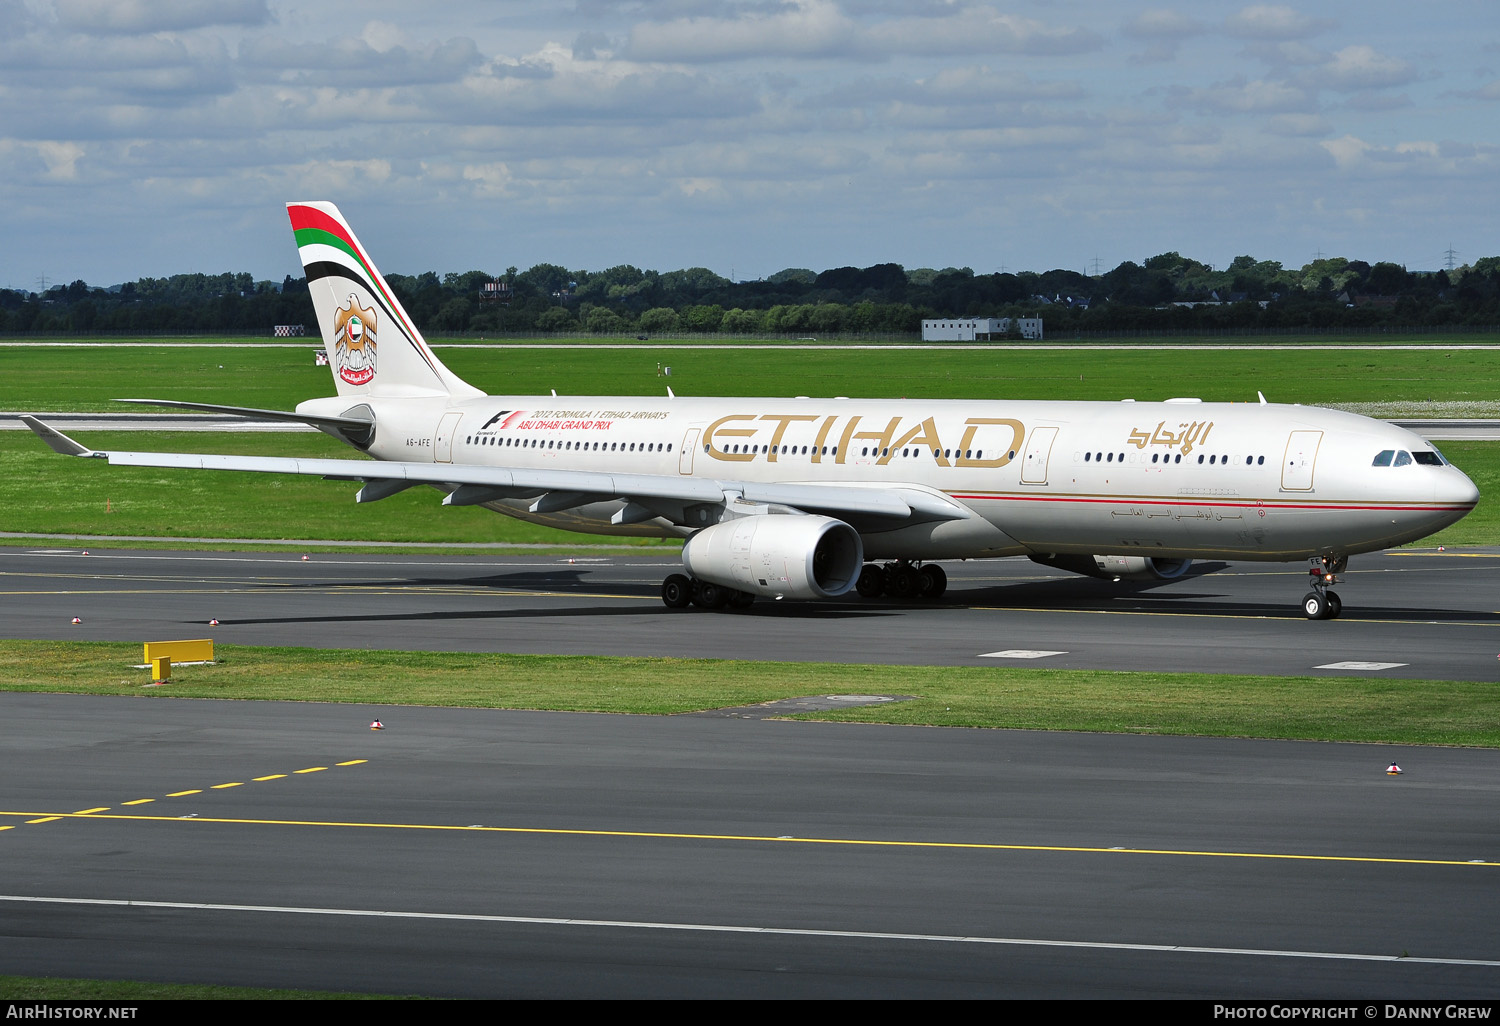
1398, 382
1341, 709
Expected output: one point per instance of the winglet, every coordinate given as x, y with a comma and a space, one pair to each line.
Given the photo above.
59, 442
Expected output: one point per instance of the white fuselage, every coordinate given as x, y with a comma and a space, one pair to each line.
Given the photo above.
1176, 479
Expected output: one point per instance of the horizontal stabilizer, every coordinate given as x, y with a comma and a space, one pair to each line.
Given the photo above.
346, 423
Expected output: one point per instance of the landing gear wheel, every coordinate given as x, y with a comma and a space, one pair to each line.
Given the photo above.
934, 581
677, 591
871, 581
1335, 604
711, 596
901, 581
1315, 606
741, 600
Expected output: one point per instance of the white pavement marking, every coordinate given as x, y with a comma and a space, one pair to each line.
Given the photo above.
1355, 664
772, 931
1020, 653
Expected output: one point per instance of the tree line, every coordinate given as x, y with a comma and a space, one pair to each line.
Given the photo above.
1167, 292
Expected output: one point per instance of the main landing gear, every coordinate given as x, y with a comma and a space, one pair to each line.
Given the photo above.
902, 580
1323, 603
679, 591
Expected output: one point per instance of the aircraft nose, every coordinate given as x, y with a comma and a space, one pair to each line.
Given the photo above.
1455, 489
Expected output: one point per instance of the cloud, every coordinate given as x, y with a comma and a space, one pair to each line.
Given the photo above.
353, 62
1298, 125
1274, 23
820, 28
1414, 159
1239, 96
1163, 31
74, 76
1361, 67
1489, 91
807, 28
959, 87
134, 17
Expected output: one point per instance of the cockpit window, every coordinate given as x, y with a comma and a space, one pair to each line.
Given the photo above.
1383, 458
1403, 459
1428, 459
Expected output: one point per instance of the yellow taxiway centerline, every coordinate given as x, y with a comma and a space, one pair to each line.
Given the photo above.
761, 838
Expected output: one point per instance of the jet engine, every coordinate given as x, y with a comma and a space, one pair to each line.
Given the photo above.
1129, 568
778, 555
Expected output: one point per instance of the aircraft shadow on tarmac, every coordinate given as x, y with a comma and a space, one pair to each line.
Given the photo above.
801, 611
1083, 594
530, 580
1062, 594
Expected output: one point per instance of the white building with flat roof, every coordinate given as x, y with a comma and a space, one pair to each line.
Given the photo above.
979, 329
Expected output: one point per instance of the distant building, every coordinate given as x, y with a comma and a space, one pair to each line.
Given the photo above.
496, 290
979, 329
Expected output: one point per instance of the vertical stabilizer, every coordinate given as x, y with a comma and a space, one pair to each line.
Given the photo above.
373, 346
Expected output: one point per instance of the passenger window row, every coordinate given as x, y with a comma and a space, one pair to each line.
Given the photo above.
867, 451
568, 445
1163, 459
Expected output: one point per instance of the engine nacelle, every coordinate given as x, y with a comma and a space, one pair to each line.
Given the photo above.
1129, 568
778, 555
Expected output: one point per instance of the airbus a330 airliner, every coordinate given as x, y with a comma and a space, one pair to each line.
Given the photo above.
813, 498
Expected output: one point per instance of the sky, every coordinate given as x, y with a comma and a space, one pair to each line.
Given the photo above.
154, 137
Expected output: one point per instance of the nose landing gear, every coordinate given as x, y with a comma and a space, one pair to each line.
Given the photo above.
1323, 603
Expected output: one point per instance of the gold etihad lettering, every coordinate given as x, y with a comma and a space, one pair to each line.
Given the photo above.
887, 441
1191, 435
972, 426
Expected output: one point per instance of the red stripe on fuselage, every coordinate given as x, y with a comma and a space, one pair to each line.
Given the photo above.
1117, 500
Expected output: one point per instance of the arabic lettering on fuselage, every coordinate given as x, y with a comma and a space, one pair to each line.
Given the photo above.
1191, 435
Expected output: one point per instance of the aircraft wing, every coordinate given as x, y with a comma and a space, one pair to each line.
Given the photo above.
647, 495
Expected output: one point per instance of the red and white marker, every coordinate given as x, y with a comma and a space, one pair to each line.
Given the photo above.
213, 623
1393, 770
376, 725
77, 619
304, 559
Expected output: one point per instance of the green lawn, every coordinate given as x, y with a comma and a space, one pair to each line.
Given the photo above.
66, 379
1339, 709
